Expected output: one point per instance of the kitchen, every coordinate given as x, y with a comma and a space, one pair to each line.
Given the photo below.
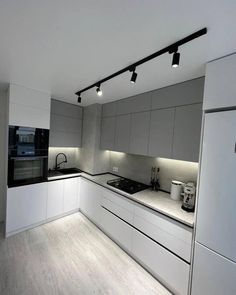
135, 177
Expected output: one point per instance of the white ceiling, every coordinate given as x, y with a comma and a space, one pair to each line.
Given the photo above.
61, 46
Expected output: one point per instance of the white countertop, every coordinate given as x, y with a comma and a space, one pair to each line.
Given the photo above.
158, 201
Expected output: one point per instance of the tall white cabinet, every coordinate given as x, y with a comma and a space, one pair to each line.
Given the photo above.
29, 107
214, 268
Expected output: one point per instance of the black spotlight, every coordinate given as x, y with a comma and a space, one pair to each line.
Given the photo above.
79, 99
99, 91
134, 76
175, 60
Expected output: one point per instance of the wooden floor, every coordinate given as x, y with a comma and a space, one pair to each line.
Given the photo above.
70, 256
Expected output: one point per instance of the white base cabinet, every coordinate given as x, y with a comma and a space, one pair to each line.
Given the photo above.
167, 232
90, 200
34, 204
119, 231
169, 269
63, 196
160, 244
26, 205
71, 194
55, 201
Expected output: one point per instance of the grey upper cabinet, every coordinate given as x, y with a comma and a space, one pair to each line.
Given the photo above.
161, 133
108, 133
139, 133
188, 92
187, 132
122, 137
109, 109
65, 124
162, 123
134, 104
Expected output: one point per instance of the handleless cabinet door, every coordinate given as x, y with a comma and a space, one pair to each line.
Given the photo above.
66, 124
161, 133
108, 133
122, 133
187, 132
216, 218
55, 198
220, 86
26, 206
70, 194
90, 200
139, 133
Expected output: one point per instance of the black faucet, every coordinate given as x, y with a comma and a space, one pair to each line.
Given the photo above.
57, 165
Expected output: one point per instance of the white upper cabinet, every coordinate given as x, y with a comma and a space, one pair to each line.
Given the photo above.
220, 86
216, 218
28, 107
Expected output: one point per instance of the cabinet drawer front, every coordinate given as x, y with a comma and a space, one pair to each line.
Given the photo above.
119, 231
169, 233
169, 269
118, 205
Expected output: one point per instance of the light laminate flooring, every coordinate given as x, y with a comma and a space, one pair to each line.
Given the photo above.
70, 256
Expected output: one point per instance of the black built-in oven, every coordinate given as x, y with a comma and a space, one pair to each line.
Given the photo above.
27, 155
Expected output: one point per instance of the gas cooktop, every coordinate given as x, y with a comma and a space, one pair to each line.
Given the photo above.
127, 185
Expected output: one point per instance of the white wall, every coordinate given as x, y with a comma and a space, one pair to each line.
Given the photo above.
3, 123
139, 168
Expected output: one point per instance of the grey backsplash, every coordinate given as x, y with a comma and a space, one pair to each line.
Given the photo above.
71, 153
135, 167
139, 168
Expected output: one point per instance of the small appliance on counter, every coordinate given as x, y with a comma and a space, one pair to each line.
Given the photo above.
189, 197
176, 190
127, 185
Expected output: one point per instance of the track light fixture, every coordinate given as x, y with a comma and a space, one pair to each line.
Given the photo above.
172, 49
99, 91
79, 98
134, 76
175, 59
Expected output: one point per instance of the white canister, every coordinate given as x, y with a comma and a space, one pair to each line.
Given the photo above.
176, 190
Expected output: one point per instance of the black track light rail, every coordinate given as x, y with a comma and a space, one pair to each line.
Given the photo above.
170, 49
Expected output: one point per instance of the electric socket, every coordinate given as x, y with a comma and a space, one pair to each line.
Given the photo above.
115, 169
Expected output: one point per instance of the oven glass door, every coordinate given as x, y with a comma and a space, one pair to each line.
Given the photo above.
27, 170
27, 141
